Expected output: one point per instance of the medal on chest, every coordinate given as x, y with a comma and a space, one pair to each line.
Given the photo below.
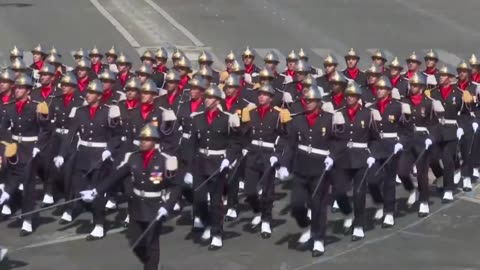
422, 111
156, 177
362, 124
324, 131
454, 102
391, 118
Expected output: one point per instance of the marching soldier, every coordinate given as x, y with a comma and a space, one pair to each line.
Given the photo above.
205, 59
177, 54
262, 128
374, 73
413, 65
295, 88
379, 58
151, 172
475, 66
398, 81
298, 105
79, 55
84, 75
60, 69
422, 134
96, 59
352, 72
112, 57
148, 58
38, 57
173, 98
291, 60
161, 57
229, 60
330, 64
124, 66
248, 57
385, 148
16, 53
144, 73
112, 91
304, 57
336, 97
271, 62
96, 125
47, 89
18, 66
205, 73
431, 70
266, 76
184, 68
7, 80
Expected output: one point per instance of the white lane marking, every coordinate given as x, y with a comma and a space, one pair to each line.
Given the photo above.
448, 58
115, 23
177, 25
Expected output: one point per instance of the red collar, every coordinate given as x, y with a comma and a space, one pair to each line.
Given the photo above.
353, 72
395, 80
58, 74
67, 98
382, 104
147, 156
38, 65
82, 83
229, 101
445, 91
131, 104
352, 112
107, 94
431, 71
195, 104
211, 114
476, 77
123, 78
171, 97
262, 111
93, 110
6, 97
463, 85
311, 117
20, 105
249, 69
291, 73
46, 91
161, 68
338, 98
416, 99
146, 109
410, 73
183, 82
374, 90
299, 87
96, 67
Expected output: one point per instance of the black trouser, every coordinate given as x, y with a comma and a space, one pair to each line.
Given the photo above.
38, 166
387, 177
341, 178
257, 168
213, 215
405, 166
435, 157
148, 250
466, 151
233, 188
301, 198
449, 153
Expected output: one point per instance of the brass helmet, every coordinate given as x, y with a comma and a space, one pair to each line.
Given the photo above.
16, 52
7, 75
123, 59
232, 80
53, 59
18, 64
205, 57
431, 54
313, 92
292, 56
214, 91
384, 83
474, 61
144, 69
198, 82
353, 88
446, 70
39, 49
230, 56
149, 87
149, 131
309, 80
302, 66
112, 52
106, 76
267, 88
84, 63
395, 64
271, 57
177, 54
413, 58
352, 54
54, 51
47, 69
418, 78
80, 53
248, 52
380, 55
69, 79
373, 70
266, 73
95, 52
330, 60
302, 55
338, 77
24, 80
463, 66
205, 71
172, 76
95, 86
148, 55
133, 83
184, 62
238, 68
161, 54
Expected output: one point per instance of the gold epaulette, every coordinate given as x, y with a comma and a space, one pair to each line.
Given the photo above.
285, 115
246, 113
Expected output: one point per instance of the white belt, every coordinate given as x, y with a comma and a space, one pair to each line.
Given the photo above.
357, 145
62, 131
137, 143
186, 135
421, 129
147, 194
317, 151
448, 121
263, 144
92, 144
388, 135
209, 152
25, 139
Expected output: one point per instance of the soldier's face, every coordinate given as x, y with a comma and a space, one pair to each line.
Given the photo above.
264, 99
230, 91
394, 72
300, 76
430, 62
329, 68
131, 94
111, 59
382, 93
337, 87
228, 64
92, 97
67, 89
122, 67
81, 73
195, 93
203, 64
372, 79
475, 69
175, 62
291, 64
247, 60
95, 59
161, 61
211, 102
271, 65
21, 92
182, 71
352, 100
311, 105
146, 97
5, 86
46, 79
147, 61
351, 62
171, 86
378, 61
463, 74
415, 88
147, 145
264, 80
107, 85
412, 65
37, 57
143, 77
444, 79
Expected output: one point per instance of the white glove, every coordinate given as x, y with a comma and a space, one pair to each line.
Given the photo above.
370, 162
287, 97
328, 163
475, 126
35, 151
58, 160
225, 164
88, 195
460, 133
105, 155
288, 79
244, 152
398, 148
162, 212
188, 179
282, 173
4, 197
428, 142
273, 160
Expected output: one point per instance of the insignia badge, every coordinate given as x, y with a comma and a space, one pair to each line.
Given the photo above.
324, 131
454, 101
156, 167
391, 118
156, 177
422, 111
362, 123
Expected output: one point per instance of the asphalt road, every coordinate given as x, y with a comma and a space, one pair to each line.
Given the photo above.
447, 239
